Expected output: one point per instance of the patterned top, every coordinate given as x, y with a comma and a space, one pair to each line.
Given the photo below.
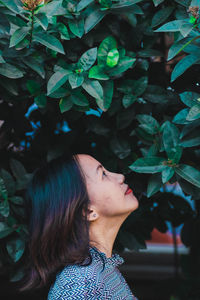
76, 282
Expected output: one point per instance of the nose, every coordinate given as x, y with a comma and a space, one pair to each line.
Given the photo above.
121, 178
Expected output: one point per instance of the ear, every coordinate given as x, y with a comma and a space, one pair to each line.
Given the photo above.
91, 214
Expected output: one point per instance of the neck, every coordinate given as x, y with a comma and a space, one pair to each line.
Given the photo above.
103, 235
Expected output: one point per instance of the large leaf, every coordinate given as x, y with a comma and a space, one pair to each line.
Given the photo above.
148, 123
194, 113
154, 184
108, 89
161, 16
57, 80
10, 71
189, 173
152, 164
76, 27
14, 5
97, 72
189, 98
124, 64
94, 88
82, 4
106, 45
183, 65
170, 138
18, 36
49, 41
75, 80
88, 59
93, 19
172, 26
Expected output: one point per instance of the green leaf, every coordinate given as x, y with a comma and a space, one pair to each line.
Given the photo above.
108, 88
124, 3
191, 142
1, 59
57, 80
171, 26
42, 20
5, 230
149, 53
35, 65
79, 99
76, 27
41, 100
189, 173
13, 5
170, 138
180, 117
124, 64
93, 19
18, 36
183, 65
161, 15
82, 4
148, 123
120, 147
64, 34
49, 41
17, 168
96, 72
8, 182
94, 88
140, 85
75, 80
17, 200
88, 59
194, 113
106, 45
53, 8
189, 98
65, 104
157, 2
154, 184
33, 87
10, 71
167, 173
4, 208
3, 190
178, 47
128, 100
112, 58
151, 164
15, 248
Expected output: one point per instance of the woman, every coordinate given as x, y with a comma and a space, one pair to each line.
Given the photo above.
76, 207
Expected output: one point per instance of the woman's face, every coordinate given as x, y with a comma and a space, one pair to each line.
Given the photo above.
106, 189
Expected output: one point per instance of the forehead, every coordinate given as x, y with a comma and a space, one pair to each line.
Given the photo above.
88, 163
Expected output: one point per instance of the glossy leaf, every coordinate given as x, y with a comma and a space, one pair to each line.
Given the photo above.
189, 173
49, 41
152, 164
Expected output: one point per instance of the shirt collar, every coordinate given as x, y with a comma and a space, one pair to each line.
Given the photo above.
114, 260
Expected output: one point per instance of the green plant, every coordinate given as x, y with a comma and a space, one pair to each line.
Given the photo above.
90, 66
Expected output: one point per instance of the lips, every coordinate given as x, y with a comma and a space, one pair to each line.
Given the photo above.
128, 190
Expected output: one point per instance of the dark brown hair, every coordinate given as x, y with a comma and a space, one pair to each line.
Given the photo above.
58, 230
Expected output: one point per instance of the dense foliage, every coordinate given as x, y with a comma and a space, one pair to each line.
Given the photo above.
92, 76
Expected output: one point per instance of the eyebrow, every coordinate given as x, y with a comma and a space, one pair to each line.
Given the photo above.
98, 167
